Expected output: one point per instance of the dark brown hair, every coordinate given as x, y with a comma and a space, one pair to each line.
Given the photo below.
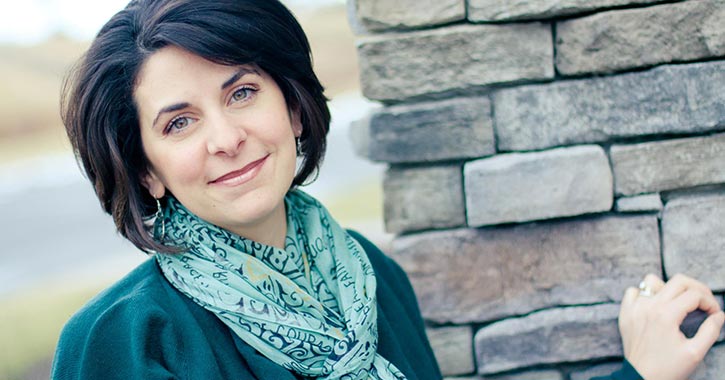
98, 107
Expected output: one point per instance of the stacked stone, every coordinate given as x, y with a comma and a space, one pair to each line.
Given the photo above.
543, 156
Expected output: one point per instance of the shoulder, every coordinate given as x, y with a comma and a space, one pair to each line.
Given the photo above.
143, 328
134, 296
119, 330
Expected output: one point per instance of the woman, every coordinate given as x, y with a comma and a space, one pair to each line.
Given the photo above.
189, 117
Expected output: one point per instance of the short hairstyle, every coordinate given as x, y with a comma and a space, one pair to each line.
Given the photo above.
101, 117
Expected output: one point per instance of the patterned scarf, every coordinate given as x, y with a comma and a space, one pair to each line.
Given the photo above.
324, 328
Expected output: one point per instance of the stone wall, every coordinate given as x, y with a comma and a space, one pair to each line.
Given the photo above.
543, 156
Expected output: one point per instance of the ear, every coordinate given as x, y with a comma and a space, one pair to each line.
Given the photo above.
153, 184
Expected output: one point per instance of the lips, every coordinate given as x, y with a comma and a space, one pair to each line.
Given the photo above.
242, 175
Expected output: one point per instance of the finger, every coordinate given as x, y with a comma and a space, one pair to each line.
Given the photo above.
630, 295
707, 334
691, 300
678, 284
654, 282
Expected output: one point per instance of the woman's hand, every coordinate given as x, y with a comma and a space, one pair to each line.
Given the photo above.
650, 327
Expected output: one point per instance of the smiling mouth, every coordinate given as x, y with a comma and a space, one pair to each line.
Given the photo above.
242, 175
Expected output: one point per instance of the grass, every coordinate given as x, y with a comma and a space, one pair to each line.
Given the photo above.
30, 324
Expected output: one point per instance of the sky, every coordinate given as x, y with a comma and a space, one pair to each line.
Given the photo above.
31, 21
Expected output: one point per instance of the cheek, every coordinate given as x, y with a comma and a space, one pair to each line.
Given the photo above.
276, 131
283, 131
179, 168
187, 171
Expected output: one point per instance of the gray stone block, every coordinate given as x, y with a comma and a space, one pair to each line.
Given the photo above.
597, 370
378, 15
433, 131
519, 187
479, 275
639, 203
454, 59
669, 99
423, 198
550, 336
356, 26
507, 10
624, 39
359, 135
668, 165
713, 366
692, 239
453, 349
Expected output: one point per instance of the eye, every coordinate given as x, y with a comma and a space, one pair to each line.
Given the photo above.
242, 94
178, 124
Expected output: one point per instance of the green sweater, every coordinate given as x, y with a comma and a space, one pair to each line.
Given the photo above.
143, 328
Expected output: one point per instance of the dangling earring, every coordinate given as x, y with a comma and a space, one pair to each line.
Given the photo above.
299, 146
160, 216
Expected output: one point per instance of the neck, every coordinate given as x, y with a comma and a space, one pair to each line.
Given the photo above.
271, 231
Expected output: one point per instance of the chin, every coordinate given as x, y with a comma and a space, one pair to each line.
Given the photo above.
253, 212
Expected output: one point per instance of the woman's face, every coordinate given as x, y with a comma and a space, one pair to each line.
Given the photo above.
219, 138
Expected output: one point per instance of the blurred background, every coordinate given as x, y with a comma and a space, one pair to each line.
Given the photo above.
57, 248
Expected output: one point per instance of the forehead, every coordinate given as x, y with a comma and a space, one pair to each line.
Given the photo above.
172, 72
173, 62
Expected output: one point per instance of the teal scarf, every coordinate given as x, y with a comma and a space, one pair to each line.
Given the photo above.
314, 314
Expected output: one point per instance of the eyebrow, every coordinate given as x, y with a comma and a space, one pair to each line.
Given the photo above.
235, 77
171, 108
240, 73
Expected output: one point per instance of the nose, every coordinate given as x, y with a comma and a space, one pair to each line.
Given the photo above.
225, 135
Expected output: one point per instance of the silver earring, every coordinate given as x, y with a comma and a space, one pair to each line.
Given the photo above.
299, 146
160, 216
